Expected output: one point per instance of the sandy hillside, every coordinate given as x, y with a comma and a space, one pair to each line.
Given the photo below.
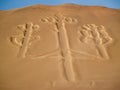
65, 47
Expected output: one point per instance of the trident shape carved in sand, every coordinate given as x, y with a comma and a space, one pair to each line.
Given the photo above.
97, 34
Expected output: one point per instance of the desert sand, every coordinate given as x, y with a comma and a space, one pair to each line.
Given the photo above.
64, 47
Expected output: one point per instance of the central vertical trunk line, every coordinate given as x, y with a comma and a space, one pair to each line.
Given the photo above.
67, 64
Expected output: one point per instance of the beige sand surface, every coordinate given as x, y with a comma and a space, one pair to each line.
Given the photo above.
65, 47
